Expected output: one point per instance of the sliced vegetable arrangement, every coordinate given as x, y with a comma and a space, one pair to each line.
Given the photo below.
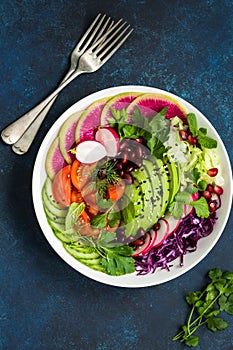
132, 184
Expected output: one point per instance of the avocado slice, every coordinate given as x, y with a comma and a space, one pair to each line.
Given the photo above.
174, 178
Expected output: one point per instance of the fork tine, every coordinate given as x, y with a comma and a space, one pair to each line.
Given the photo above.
109, 38
112, 43
104, 27
92, 35
101, 39
89, 30
116, 48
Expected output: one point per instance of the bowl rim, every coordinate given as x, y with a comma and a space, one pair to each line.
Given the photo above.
130, 280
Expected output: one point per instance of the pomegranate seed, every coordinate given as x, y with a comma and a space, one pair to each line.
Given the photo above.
192, 140
183, 135
212, 206
206, 194
212, 172
218, 189
210, 188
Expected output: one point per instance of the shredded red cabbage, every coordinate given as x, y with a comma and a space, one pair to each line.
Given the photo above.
184, 240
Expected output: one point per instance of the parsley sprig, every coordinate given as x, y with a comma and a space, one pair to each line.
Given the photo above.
207, 305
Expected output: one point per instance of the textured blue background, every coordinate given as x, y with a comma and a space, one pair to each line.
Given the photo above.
185, 47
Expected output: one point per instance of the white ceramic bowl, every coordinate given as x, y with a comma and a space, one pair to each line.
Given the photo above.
132, 280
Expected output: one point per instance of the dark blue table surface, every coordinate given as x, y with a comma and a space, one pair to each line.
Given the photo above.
185, 47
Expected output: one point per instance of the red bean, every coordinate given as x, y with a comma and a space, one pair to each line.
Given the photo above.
128, 178
124, 157
129, 168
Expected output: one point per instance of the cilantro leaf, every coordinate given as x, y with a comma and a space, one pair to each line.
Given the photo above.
216, 323
201, 207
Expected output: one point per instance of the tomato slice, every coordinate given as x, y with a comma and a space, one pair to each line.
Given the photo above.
61, 187
75, 174
76, 196
116, 191
86, 229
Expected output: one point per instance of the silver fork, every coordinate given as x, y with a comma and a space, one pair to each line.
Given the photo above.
90, 61
14, 131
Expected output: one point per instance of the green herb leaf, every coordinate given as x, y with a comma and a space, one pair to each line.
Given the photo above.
206, 141
192, 340
216, 323
74, 211
193, 297
118, 260
99, 221
201, 207
192, 123
113, 218
106, 239
215, 274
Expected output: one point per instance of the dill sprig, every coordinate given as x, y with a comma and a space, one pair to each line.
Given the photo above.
104, 175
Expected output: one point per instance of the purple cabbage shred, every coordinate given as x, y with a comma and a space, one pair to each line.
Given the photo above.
184, 240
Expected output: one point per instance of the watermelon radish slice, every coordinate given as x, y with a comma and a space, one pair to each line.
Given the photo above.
150, 104
54, 159
90, 151
89, 121
109, 139
67, 136
118, 102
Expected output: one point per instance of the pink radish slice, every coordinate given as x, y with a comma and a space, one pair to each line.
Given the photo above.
90, 152
188, 209
161, 233
109, 138
143, 248
173, 224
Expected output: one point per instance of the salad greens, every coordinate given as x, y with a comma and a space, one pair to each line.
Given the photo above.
146, 202
207, 305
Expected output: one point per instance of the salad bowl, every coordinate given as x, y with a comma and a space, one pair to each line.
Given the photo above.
58, 151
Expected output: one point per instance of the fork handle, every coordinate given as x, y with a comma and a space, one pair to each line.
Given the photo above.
13, 132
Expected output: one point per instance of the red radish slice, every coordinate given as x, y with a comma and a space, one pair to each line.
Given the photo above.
162, 232
188, 209
109, 138
143, 248
90, 152
173, 224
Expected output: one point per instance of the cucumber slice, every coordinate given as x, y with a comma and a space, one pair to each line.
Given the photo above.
54, 218
49, 192
59, 212
89, 254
